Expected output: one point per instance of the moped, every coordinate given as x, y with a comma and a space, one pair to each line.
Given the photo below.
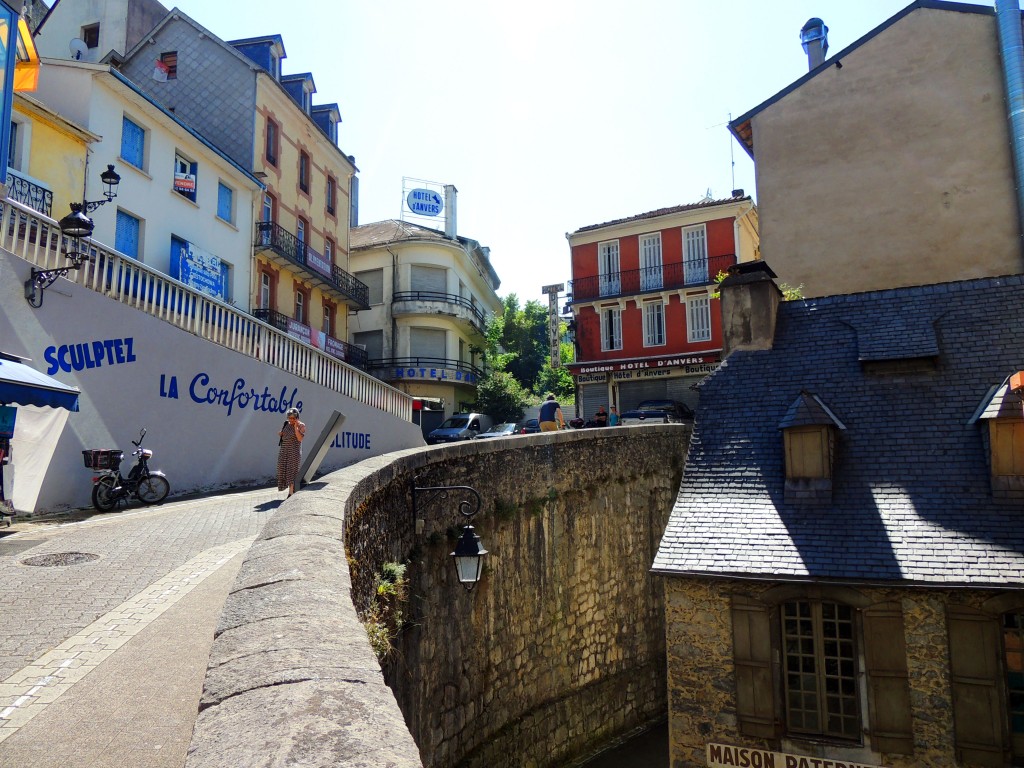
110, 488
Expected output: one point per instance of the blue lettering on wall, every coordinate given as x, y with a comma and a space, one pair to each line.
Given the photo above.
89, 354
358, 440
201, 392
171, 389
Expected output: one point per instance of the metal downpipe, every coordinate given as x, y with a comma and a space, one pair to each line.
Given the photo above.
1011, 51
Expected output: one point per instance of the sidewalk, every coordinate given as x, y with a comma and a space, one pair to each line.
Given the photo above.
123, 689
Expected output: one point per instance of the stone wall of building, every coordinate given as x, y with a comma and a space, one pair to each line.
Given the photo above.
559, 650
702, 685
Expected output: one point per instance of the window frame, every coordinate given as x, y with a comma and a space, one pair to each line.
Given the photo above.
332, 195
91, 35
654, 332
185, 166
123, 215
698, 318
221, 188
272, 143
170, 61
129, 158
305, 171
611, 329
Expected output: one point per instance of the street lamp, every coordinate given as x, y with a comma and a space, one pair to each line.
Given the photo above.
75, 226
469, 554
469, 558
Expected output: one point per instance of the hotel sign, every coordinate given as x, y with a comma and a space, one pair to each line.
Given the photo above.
696, 362
725, 756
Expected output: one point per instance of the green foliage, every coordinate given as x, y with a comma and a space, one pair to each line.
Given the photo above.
789, 292
516, 341
500, 395
384, 618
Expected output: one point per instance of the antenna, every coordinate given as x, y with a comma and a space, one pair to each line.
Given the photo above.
78, 48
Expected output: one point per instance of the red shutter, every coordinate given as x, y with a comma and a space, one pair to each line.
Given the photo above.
752, 656
979, 720
885, 653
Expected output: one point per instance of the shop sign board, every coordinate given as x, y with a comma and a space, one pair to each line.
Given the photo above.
725, 755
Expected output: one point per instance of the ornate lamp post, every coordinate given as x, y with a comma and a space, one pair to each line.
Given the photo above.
75, 226
469, 553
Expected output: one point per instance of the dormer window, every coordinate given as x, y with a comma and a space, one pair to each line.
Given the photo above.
809, 438
1003, 409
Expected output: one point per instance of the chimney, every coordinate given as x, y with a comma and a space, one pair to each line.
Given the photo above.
451, 228
814, 39
750, 300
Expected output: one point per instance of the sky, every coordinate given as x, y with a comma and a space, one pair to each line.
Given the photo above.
546, 115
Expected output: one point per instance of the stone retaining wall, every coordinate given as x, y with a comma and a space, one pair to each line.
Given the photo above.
560, 648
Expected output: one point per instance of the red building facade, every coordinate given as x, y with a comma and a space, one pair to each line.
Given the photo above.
646, 322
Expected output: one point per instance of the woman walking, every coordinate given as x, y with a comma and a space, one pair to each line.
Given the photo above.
289, 452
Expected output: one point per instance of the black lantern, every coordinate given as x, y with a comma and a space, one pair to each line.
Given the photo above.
110, 181
469, 558
76, 224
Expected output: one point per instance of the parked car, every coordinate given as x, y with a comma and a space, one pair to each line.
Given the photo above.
499, 430
460, 426
528, 427
657, 412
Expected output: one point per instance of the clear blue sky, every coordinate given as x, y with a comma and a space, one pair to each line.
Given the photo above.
547, 115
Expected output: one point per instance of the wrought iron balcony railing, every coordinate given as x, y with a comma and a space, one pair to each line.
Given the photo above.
446, 298
342, 350
274, 237
650, 279
27, 192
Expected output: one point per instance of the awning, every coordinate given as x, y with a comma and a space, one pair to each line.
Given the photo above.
22, 385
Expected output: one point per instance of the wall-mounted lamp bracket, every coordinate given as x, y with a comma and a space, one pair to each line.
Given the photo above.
439, 493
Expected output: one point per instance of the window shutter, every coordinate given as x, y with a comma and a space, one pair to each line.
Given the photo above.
752, 656
978, 718
885, 653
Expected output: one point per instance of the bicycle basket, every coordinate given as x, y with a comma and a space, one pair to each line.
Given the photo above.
103, 458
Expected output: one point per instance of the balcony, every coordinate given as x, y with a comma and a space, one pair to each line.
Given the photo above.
29, 193
290, 251
423, 367
342, 350
433, 302
651, 279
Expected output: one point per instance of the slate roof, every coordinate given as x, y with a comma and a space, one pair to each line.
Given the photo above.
911, 498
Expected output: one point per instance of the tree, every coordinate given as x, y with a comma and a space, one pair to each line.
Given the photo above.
500, 396
558, 380
517, 340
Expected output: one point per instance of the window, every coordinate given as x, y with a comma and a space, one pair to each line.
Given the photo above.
300, 305
374, 280
271, 149
304, 172
328, 326
332, 194
695, 255
608, 268
650, 262
698, 318
266, 291
1007, 436
268, 208
372, 342
328, 250
654, 323
300, 235
91, 35
805, 656
126, 234
611, 329
185, 172
12, 149
808, 453
820, 669
169, 64
133, 143
225, 202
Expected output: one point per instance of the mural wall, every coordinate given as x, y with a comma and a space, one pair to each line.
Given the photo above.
213, 414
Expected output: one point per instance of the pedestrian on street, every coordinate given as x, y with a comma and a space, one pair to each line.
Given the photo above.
613, 417
601, 417
551, 415
289, 452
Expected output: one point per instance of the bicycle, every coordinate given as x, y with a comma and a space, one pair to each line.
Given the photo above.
111, 488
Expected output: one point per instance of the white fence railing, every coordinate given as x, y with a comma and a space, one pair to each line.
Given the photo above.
37, 239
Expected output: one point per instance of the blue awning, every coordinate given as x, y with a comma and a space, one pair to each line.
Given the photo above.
22, 385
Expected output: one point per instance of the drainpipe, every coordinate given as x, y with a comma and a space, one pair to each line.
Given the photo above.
1011, 51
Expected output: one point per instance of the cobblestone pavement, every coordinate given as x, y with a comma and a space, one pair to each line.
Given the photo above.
103, 645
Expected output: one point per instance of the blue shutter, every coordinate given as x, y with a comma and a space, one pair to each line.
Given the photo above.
177, 244
225, 281
224, 199
126, 236
133, 139
194, 170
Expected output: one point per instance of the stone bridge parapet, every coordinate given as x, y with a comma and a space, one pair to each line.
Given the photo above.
558, 651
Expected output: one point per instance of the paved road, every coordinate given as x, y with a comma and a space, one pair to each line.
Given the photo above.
104, 642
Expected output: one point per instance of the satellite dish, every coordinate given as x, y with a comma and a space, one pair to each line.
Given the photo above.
78, 48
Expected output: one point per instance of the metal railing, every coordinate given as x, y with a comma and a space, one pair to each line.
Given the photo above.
28, 192
274, 237
342, 350
423, 362
650, 279
37, 239
445, 298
